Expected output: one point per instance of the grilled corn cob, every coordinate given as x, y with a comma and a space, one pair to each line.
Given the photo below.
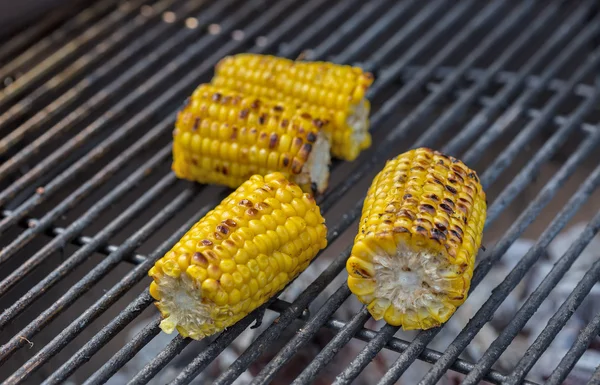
237, 257
331, 92
224, 137
420, 230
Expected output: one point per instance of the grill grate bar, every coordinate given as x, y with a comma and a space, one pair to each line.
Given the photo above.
492, 133
76, 92
579, 347
28, 37
63, 55
129, 350
353, 23
532, 303
82, 20
134, 276
483, 118
558, 321
468, 97
83, 254
403, 34
83, 191
143, 117
528, 133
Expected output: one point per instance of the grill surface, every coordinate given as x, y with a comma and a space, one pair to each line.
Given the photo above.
89, 203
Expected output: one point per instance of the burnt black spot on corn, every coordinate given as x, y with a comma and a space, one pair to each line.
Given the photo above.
207, 133
423, 267
325, 91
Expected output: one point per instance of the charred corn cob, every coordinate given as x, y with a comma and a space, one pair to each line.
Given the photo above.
327, 91
420, 230
224, 137
237, 257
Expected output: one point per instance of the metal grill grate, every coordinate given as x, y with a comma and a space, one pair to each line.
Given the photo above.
511, 88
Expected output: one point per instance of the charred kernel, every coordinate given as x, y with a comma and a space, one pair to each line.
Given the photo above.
400, 229
421, 230
305, 151
407, 196
306, 115
284, 123
296, 166
252, 212
427, 208
199, 259
244, 113
278, 108
318, 123
262, 119
434, 197
446, 208
286, 160
216, 97
223, 229
437, 234
246, 202
255, 104
273, 140
196, 124
406, 213
449, 202
456, 234
234, 132
296, 143
311, 137
230, 222
206, 242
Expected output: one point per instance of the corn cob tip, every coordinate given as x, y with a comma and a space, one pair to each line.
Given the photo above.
421, 228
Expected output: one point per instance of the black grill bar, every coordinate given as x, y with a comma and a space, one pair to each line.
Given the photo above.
67, 52
532, 303
118, 109
559, 319
71, 331
416, 78
76, 227
77, 23
78, 91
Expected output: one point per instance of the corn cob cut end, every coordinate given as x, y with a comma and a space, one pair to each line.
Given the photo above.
239, 255
421, 228
360, 137
314, 176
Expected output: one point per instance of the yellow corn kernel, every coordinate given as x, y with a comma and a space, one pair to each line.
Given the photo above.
217, 289
420, 231
327, 92
223, 137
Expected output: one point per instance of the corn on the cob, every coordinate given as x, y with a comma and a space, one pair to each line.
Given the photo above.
331, 92
420, 230
237, 257
224, 137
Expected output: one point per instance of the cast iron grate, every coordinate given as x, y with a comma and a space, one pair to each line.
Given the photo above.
87, 108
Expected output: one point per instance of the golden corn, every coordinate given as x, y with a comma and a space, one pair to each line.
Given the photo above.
331, 92
224, 137
420, 230
237, 257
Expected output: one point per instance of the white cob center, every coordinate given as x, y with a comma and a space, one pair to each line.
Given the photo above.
357, 121
410, 278
316, 168
181, 299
